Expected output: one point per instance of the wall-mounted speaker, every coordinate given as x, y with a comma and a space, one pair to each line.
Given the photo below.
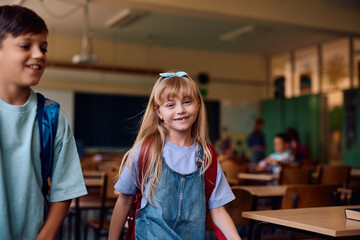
203, 78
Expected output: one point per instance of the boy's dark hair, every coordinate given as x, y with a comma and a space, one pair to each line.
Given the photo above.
16, 20
284, 136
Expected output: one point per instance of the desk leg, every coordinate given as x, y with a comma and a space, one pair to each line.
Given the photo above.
77, 219
252, 222
258, 230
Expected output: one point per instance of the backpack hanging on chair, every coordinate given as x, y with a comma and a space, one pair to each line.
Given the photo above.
210, 181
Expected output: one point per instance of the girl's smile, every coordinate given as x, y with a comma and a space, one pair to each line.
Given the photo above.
183, 119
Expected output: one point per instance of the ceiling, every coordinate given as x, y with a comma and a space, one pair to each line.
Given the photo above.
160, 28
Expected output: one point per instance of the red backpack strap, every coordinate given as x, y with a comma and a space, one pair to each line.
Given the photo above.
142, 166
210, 182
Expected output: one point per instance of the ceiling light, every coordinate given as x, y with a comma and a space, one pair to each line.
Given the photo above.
231, 36
85, 55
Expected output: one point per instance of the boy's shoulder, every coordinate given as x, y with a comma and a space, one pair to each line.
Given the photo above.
47, 101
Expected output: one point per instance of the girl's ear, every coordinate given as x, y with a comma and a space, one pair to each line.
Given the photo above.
159, 114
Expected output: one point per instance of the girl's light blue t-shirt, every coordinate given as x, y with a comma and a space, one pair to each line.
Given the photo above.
183, 161
21, 199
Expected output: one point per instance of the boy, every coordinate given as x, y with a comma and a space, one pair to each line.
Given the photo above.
23, 60
281, 157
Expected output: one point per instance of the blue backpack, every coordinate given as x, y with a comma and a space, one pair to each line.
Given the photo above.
47, 115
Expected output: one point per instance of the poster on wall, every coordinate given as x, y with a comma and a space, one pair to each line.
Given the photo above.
237, 122
238, 118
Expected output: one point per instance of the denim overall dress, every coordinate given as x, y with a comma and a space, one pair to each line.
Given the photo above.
180, 211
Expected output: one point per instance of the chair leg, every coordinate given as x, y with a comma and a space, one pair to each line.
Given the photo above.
96, 232
85, 231
70, 225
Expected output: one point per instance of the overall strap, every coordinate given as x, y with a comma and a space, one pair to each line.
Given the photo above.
210, 182
47, 116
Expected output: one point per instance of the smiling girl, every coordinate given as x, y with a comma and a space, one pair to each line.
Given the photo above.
173, 203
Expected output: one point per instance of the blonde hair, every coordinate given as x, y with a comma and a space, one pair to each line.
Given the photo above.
153, 131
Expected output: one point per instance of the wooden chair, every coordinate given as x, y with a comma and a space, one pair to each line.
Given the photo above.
311, 162
107, 201
295, 175
95, 182
88, 164
303, 196
337, 175
231, 170
242, 203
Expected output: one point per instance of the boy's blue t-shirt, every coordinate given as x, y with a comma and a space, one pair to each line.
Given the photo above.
21, 199
183, 161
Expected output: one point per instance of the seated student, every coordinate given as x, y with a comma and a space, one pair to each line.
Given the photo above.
298, 150
224, 150
282, 156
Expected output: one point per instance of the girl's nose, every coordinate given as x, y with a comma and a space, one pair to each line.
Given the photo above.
180, 109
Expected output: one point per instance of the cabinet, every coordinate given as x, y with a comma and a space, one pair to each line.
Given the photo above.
302, 113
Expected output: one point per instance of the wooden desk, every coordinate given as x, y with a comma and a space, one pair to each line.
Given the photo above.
257, 176
93, 182
325, 222
266, 191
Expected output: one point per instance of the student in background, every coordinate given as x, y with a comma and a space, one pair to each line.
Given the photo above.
256, 141
23, 46
298, 150
224, 150
281, 157
174, 132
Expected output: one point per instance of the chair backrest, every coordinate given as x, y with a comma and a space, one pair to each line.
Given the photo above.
231, 170
111, 178
305, 195
107, 193
295, 175
337, 175
89, 164
243, 202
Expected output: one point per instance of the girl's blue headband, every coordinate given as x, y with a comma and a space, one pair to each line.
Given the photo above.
167, 75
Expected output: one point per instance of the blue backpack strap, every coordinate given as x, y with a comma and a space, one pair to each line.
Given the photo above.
47, 115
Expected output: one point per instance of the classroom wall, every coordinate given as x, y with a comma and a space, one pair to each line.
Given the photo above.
233, 77
306, 61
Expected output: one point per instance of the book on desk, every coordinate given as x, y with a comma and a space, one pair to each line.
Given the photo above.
352, 213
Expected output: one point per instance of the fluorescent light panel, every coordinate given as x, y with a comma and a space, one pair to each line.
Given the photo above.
230, 36
125, 18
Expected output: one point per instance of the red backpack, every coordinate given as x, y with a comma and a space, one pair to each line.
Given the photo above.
210, 181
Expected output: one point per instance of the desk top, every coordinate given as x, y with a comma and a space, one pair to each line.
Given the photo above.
266, 191
93, 178
257, 176
330, 221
